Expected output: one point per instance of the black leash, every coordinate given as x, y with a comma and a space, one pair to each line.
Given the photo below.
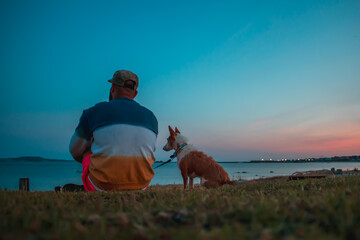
171, 158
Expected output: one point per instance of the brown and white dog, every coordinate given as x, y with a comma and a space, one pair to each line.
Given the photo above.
194, 163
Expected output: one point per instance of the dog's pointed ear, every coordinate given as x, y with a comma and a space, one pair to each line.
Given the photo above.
172, 133
177, 130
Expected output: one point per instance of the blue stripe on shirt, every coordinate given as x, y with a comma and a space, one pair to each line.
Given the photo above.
117, 111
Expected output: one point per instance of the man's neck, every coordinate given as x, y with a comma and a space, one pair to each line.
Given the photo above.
123, 96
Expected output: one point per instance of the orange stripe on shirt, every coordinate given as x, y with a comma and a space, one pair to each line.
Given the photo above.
121, 172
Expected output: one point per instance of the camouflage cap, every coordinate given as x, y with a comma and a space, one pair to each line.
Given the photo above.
121, 76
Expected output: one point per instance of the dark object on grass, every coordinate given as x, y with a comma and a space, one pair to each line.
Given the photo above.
311, 174
70, 187
300, 177
24, 184
58, 189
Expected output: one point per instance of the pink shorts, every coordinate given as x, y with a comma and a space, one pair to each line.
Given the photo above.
85, 175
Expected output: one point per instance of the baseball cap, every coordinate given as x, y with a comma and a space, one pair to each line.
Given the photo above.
121, 76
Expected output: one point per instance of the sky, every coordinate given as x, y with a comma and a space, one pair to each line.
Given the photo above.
242, 80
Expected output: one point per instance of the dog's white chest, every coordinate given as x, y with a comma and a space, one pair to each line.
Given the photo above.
185, 151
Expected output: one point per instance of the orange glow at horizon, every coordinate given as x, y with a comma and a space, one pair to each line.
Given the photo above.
315, 139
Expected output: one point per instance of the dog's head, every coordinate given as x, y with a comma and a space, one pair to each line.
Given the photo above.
174, 140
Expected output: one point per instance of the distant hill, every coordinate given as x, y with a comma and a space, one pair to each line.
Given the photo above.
31, 159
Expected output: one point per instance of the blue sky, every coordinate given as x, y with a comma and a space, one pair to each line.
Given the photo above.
241, 79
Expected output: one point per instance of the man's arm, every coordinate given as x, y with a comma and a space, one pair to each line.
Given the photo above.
80, 143
79, 147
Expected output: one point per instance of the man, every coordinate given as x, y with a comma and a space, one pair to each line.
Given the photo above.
115, 140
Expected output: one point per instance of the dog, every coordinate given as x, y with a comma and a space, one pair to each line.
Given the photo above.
194, 163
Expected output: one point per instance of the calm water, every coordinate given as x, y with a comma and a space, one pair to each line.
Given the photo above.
48, 174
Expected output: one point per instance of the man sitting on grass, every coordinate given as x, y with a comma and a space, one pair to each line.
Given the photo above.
115, 140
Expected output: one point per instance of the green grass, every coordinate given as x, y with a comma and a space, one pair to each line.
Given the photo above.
307, 209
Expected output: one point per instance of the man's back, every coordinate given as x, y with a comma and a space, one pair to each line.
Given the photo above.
124, 136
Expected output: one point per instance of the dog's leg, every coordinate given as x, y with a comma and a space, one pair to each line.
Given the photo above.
191, 183
185, 178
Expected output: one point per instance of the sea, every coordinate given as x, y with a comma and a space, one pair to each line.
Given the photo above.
46, 175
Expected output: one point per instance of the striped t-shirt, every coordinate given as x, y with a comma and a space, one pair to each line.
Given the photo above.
123, 135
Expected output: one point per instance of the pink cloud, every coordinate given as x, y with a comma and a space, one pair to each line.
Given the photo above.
306, 139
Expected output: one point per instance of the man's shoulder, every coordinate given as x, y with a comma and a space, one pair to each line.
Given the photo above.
96, 106
146, 112
122, 111
112, 104
123, 104
146, 109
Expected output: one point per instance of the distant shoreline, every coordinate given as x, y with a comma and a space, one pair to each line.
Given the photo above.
330, 161
34, 159
308, 160
353, 158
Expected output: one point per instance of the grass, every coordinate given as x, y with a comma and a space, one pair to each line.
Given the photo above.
306, 209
